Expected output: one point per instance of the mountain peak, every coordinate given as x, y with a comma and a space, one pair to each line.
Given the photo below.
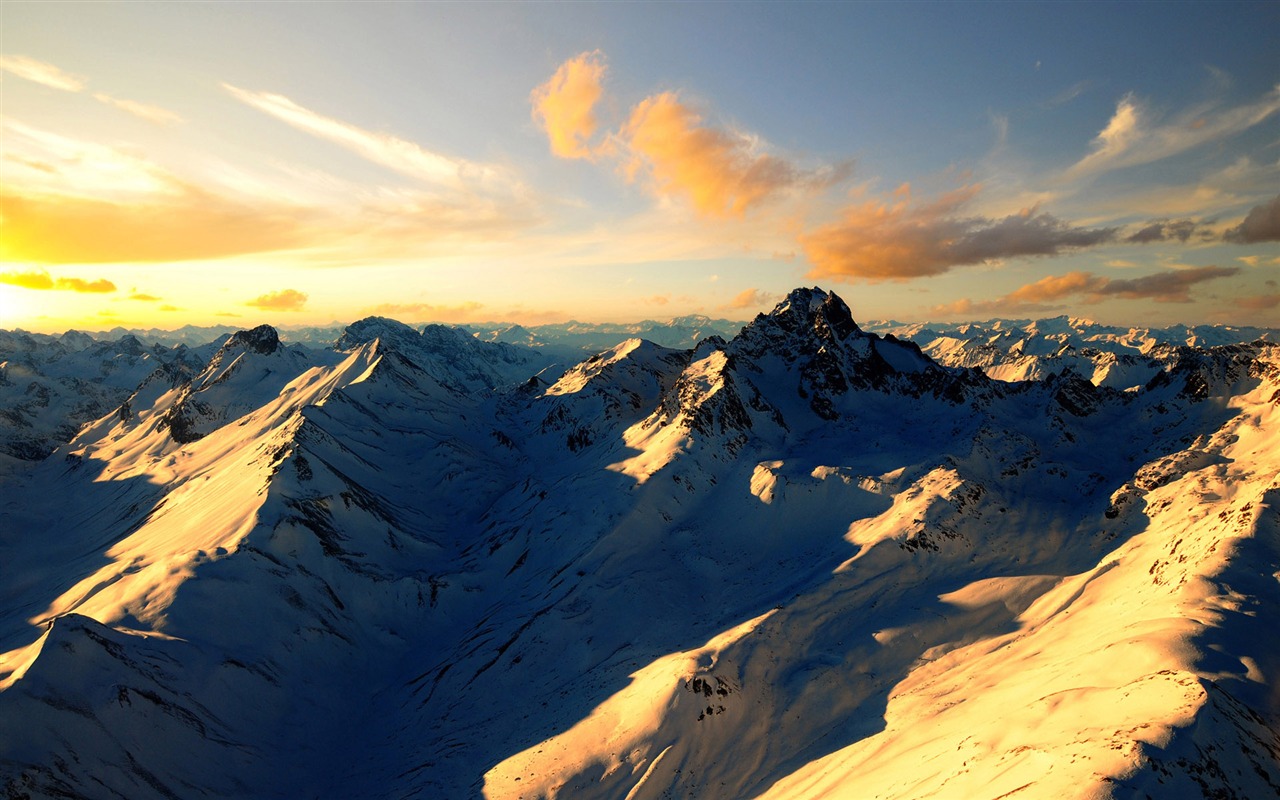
76, 341
366, 330
804, 297
129, 345
441, 335
263, 339
807, 311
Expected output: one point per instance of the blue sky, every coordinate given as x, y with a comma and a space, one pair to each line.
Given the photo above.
166, 164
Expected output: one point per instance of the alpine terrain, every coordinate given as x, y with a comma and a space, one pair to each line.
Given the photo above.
803, 561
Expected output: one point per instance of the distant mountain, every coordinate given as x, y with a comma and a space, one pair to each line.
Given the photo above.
573, 339
1017, 350
800, 560
51, 385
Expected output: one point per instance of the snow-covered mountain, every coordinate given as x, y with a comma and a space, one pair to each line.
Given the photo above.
802, 561
578, 339
51, 385
1019, 350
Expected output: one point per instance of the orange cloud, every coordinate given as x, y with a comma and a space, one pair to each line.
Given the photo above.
666, 144
42, 281
144, 297
896, 240
1056, 287
40, 72
749, 298
721, 173
564, 106
283, 300
53, 229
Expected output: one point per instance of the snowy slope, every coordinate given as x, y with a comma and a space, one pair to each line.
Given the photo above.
807, 561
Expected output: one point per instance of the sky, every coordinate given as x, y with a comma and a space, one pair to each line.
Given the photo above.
295, 163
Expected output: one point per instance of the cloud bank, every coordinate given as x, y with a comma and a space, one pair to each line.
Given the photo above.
1169, 286
896, 240
50, 229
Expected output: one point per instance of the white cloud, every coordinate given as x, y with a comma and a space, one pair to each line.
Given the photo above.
159, 116
41, 73
1133, 137
394, 153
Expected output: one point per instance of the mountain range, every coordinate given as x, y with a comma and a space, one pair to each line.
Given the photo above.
799, 559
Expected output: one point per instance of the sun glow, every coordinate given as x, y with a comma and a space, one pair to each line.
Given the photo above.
12, 309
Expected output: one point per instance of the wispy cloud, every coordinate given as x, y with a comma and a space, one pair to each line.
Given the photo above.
283, 300
40, 72
67, 200
1262, 224
1168, 286
48, 75
155, 114
397, 154
41, 281
143, 297
565, 105
1134, 136
43, 162
1068, 94
897, 240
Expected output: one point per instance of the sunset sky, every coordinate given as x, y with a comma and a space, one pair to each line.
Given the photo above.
300, 163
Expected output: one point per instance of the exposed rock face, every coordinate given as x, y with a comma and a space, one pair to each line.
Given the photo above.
263, 340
